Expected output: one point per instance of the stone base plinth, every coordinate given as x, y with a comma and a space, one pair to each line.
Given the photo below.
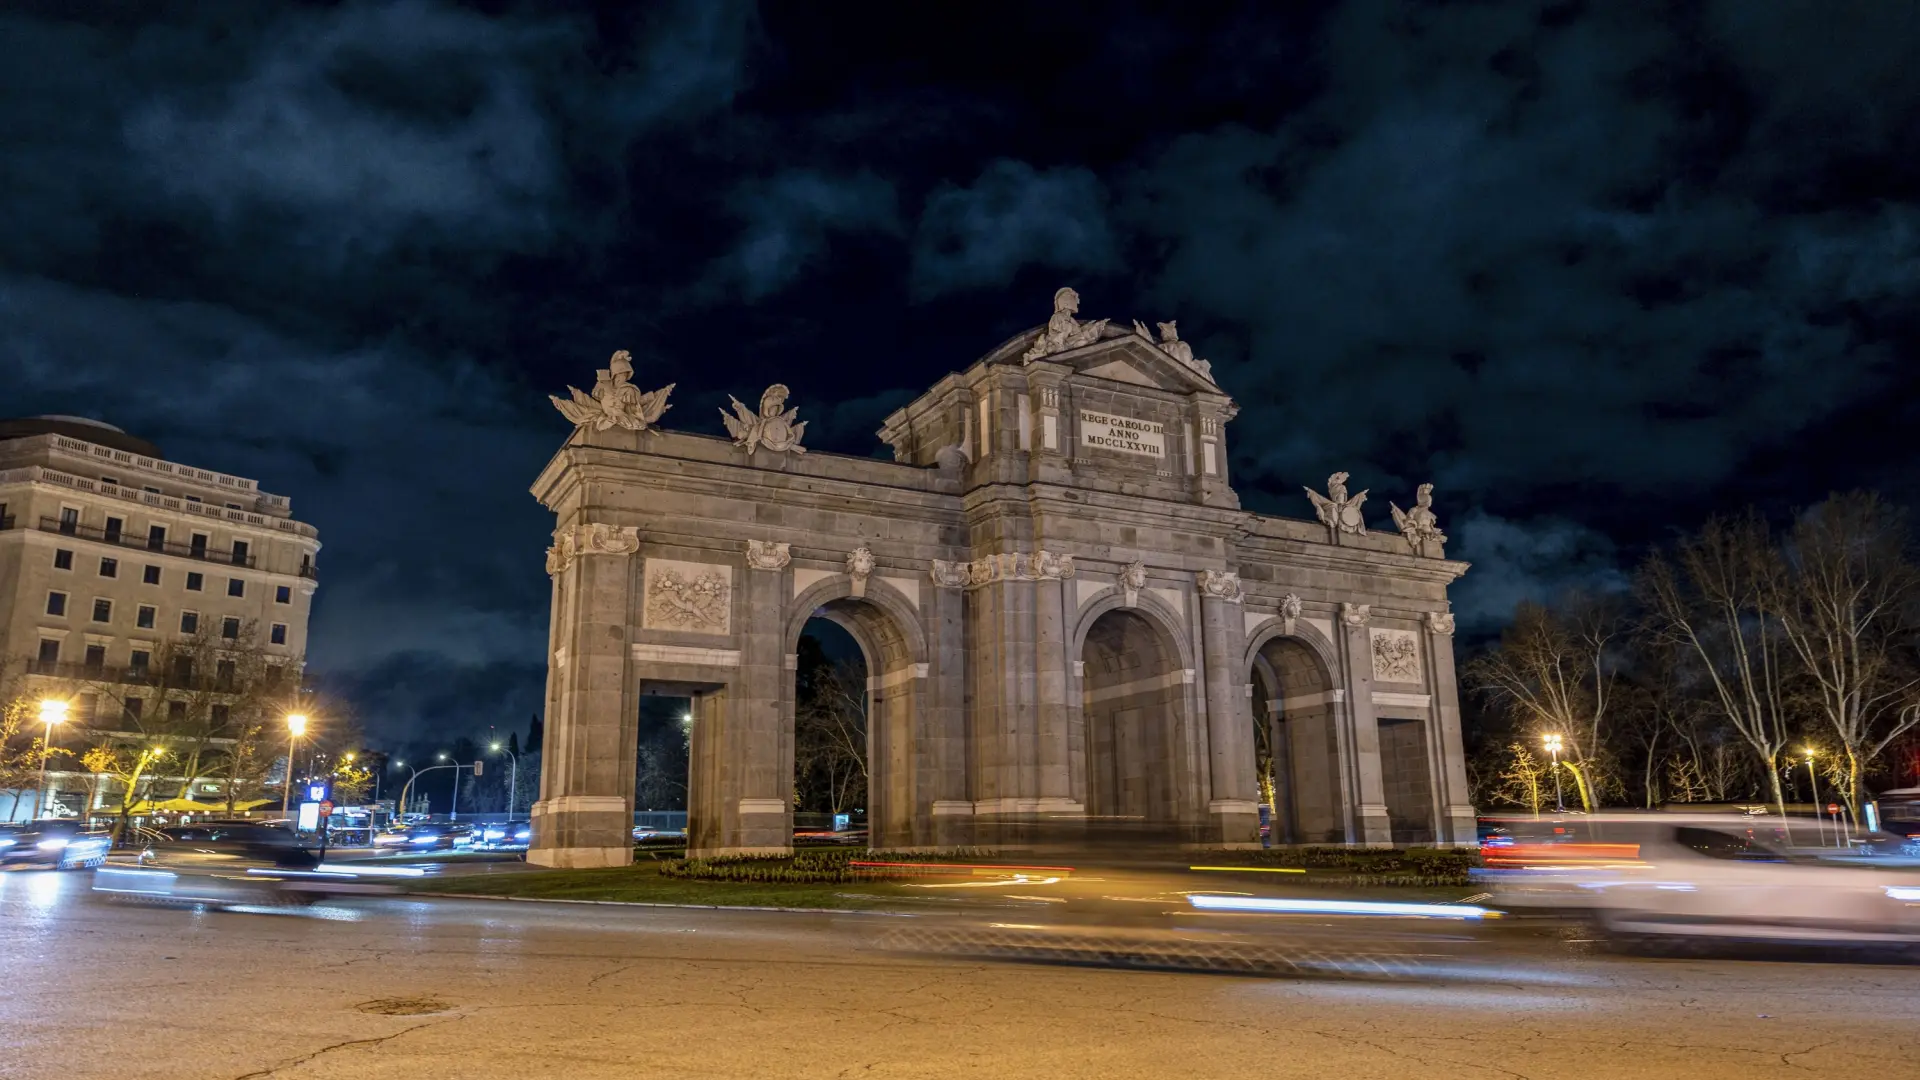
581, 830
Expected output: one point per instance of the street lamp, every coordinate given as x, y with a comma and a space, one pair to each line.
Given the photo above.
51, 712
513, 776
1814, 779
1559, 799
296, 727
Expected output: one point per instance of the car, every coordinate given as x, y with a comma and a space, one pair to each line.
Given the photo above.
234, 863
438, 836
52, 844
1691, 881
503, 836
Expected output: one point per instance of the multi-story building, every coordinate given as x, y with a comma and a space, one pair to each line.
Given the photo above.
112, 558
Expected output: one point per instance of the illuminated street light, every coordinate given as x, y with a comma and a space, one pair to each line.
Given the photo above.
52, 712
513, 777
1814, 779
296, 727
1559, 798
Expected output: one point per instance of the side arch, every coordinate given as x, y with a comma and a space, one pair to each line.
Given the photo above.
1303, 722
1134, 729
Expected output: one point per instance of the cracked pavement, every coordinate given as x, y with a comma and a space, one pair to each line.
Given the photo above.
520, 990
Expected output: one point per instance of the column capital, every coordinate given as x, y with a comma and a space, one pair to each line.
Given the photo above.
1356, 615
1220, 585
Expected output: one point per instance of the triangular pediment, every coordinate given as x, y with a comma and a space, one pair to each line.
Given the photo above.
1126, 357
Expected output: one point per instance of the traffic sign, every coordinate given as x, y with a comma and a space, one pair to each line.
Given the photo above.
1833, 808
479, 767
326, 807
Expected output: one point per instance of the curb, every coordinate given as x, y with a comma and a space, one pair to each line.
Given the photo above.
657, 904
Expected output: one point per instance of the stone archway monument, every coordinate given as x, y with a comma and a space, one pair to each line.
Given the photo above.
1065, 614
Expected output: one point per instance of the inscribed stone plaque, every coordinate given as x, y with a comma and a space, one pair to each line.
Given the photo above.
692, 597
1123, 434
1396, 655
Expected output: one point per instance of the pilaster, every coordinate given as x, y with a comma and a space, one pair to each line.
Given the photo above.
1372, 825
1233, 801
586, 815
1453, 799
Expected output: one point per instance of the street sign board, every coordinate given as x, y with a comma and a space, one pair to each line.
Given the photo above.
316, 792
309, 816
1833, 808
326, 807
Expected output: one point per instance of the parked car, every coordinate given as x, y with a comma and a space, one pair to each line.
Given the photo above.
52, 844
438, 836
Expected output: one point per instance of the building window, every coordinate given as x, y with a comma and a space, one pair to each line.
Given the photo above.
240, 553
132, 708
278, 635
156, 538
56, 603
139, 660
194, 581
222, 716
223, 675
49, 651
191, 498
96, 658
62, 559
115, 481
89, 708
143, 618
283, 594
149, 489
235, 506
114, 525
102, 610
189, 622
69, 520
230, 628
183, 670
197, 546
176, 712
150, 575
110, 568
273, 675
236, 587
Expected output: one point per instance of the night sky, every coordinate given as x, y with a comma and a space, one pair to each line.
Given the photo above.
1596, 270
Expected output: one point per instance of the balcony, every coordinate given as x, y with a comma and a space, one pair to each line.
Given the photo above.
143, 543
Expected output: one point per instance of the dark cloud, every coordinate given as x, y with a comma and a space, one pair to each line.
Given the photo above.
1011, 217
790, 218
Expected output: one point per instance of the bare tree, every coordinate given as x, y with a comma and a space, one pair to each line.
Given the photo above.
22, 752
1847, 608
830, 735
1717, 598
1518, 777
1555, 672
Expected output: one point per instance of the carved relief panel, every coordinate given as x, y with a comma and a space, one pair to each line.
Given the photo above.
1396, 655
694, 598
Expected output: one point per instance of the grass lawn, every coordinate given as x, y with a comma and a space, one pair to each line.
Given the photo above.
642, 883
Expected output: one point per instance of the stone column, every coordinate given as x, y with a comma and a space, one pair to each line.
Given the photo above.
1370, 810
1055, 791
759, 792
944, 705
1452, 796
1233, 808
586, 777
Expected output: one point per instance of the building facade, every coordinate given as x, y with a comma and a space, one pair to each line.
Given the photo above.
135, 588
1065, 614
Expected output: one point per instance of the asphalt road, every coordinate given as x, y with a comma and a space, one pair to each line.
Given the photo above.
376, 988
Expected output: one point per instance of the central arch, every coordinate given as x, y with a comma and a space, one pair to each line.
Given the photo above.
1300, 713
1133, 747
881, 621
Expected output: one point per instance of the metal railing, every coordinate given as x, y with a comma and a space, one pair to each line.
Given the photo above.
146, 543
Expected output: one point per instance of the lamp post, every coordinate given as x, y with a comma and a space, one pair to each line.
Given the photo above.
400, 805
51, 712
1814, 779
1559, 798
513, 776
418, 773
296, 727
